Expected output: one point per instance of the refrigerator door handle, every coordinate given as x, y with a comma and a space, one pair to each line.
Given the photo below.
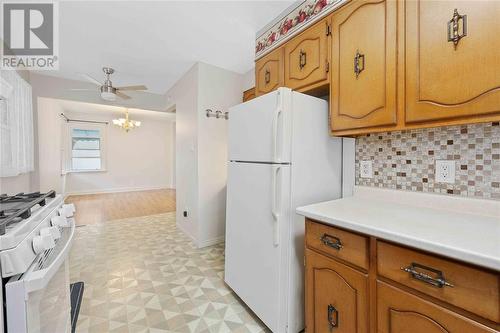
277, 114
276, 203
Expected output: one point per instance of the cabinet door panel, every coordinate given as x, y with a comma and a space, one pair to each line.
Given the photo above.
446, 81
306, 57
335, 293
363, 82
401, 312
269, 72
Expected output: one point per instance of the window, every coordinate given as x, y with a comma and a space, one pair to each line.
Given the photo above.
16, 125
86, 148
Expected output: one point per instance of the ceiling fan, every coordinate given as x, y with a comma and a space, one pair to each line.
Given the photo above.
106, 89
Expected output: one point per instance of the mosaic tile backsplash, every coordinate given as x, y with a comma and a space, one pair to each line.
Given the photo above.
406, 160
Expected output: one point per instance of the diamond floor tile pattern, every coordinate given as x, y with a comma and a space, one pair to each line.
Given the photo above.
142, 274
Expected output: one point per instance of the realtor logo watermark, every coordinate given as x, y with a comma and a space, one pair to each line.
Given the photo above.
30, 36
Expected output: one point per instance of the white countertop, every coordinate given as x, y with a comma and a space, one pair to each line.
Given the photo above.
450, 230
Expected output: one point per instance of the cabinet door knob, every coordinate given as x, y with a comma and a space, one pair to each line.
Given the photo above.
454, 34
333, 317
267, 76
359, 63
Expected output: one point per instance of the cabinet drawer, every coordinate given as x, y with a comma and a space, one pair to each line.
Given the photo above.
471, 288
399, 311
306, 57
338, 243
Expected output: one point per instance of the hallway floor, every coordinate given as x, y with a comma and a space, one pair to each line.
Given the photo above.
98, 208
142, 274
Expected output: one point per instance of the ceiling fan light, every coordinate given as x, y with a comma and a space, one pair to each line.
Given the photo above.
107, 96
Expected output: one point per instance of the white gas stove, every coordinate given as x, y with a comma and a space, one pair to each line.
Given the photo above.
36, 234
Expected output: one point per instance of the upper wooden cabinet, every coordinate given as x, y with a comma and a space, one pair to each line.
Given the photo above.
249, 94
269, 72
452, 71
364, 58
306, 57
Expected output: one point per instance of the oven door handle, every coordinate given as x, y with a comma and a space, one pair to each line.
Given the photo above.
37, 280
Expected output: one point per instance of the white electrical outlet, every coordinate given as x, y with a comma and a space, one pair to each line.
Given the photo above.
366, 169
445, 171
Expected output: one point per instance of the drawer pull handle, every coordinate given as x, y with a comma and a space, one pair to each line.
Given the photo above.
267, 76
333, 317
437, 281
331, 241
453, 28
302, 59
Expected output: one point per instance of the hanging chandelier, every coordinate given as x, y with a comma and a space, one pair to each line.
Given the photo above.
126, 123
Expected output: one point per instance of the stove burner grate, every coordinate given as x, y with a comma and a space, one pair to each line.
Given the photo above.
18, 207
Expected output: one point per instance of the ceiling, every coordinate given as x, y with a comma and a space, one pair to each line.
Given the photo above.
156, 42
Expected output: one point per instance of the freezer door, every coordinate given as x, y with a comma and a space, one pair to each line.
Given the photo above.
256, 246
259, 130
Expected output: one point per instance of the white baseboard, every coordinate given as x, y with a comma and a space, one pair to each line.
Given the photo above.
210, 242
116, 190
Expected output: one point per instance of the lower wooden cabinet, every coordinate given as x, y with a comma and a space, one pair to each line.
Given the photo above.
402, 312
336, 296
401, 290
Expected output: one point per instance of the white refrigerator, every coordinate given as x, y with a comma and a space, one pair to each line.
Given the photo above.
281, 156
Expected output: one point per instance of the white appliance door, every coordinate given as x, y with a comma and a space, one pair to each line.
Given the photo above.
259, 130
257, 213
38, 301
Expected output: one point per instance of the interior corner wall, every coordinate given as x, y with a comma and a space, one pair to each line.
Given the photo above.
212, 149
50, 129
248, 79
184, 95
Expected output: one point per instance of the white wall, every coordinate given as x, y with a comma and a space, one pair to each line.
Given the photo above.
219, 90
201, 146
138, 160
184, 96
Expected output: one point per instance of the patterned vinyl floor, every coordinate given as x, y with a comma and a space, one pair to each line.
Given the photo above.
144, 275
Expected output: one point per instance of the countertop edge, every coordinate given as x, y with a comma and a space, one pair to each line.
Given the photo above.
487, 262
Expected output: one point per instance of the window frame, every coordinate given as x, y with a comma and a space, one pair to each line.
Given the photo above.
103, 145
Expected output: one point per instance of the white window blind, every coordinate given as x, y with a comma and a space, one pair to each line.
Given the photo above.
16, 125
86, 148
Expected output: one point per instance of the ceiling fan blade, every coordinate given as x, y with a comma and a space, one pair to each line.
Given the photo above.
122, 95
91, 79
141, 87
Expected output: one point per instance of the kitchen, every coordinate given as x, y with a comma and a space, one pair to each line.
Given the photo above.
355, 189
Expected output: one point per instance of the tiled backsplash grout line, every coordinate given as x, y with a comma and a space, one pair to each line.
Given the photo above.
406, 159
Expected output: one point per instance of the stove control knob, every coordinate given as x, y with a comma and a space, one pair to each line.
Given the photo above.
42, 243
59, 221
67, 210
55, 232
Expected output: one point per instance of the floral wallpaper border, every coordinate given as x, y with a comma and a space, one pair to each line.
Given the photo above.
299, 17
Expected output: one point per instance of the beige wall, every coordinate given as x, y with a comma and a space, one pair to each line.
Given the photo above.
138, 160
